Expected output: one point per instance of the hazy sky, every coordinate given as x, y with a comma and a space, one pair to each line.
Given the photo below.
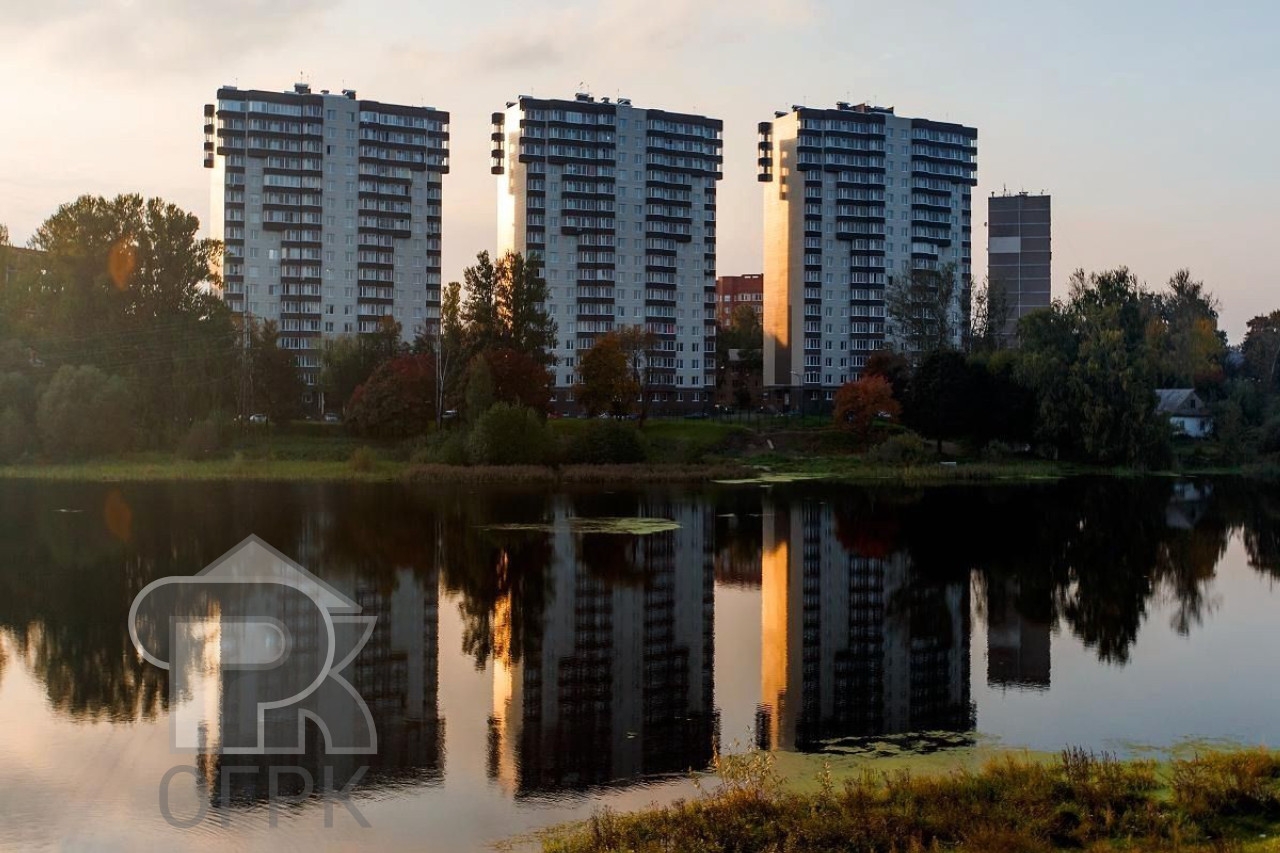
1153, 124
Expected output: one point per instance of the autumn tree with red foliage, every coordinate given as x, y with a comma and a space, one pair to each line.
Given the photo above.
859, 404
519, 378
396, 401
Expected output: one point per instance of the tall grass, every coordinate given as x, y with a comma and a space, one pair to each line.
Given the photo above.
1080, 802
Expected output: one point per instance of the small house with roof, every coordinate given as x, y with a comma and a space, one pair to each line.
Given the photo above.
1187, 413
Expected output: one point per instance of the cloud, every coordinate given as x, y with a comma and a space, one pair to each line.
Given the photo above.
625, 32
156, 37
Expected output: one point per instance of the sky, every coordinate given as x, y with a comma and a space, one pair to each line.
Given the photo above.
1152, 123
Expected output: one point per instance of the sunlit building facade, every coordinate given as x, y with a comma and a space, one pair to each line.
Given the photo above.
329, 208
620, 203
852, 197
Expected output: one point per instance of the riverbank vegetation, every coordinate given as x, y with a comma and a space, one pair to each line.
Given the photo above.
1214, 802
115, 348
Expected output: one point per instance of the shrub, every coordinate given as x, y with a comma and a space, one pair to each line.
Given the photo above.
448, 447
605, 443
362, 460
1270, 441
201, 441
508, 435
18, 392
14, 433
860, 404
903, 449
84, 412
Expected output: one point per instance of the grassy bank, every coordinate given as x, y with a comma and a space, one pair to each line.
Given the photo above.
387, 466
676, 451
1215, 802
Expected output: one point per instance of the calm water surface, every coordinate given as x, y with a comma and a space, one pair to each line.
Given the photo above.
525, 675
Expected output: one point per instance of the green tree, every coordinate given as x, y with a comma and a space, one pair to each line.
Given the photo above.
481, 395
85, 412
346, 363
504, 306
1188, 346
894, 367
127, 285
479, 309
1261, 350
522, 298
275, 386
15, 432
508, 435
941, 399
1049, 347
1092, 368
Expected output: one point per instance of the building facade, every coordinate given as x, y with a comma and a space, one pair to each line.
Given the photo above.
735, 290
1019, 256
853, 197
620, 203
329, 208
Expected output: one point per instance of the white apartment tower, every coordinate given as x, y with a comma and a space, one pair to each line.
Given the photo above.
329, 208
620, 203
853, 196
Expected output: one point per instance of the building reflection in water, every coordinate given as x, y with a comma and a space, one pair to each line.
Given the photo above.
397, 676
1018, 646
614, 682
855, 647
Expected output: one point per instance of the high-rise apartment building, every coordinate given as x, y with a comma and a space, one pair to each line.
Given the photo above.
1019, 255
329, 208
620, 203
854, 196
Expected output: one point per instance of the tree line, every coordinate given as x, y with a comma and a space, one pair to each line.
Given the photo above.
1078, 379
118, 339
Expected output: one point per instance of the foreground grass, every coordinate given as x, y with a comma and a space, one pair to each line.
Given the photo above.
1217, 802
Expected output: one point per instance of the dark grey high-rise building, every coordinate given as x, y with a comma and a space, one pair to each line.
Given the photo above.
1019, 257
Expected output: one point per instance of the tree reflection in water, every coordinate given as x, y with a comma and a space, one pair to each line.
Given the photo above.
602, 645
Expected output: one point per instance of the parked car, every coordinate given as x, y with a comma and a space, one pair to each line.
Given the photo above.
257, 419
332, 418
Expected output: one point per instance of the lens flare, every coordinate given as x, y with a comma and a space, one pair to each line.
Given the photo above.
122, 262
118, 515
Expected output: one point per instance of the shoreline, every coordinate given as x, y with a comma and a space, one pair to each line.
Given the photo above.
1210, 801
748, 471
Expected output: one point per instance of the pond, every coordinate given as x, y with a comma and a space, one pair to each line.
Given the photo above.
535, 657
